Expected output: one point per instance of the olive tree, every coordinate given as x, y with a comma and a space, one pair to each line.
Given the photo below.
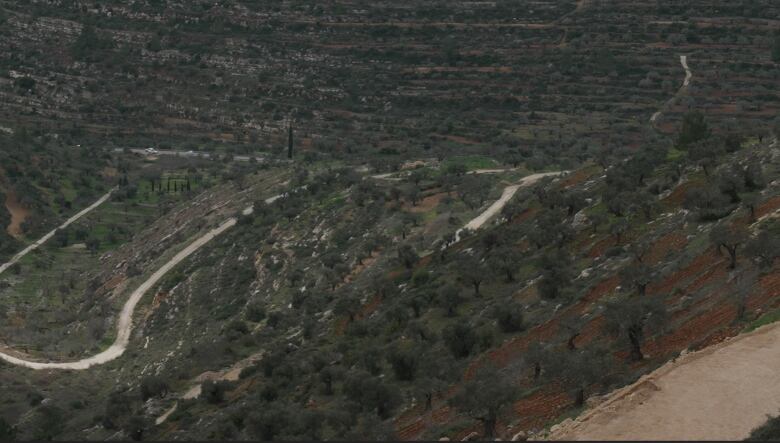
484, 398
730, 237
631, 318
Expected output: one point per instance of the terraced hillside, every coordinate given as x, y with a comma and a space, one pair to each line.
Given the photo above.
346, 309
499, 215
547, 83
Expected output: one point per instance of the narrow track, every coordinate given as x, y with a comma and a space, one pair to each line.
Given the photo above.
683, 88
125, 322
15, 259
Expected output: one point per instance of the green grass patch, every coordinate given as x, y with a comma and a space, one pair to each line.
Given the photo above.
769, 317
675, 154
471, 162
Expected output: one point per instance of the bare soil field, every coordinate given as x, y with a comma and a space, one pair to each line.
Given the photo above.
719, 393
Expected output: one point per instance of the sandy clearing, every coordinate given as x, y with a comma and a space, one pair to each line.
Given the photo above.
46, 237
719, 393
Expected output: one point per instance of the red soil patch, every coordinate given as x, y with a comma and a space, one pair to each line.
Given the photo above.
708, 276
411, 431
769, 289
459, 139
426, 204
111, 284
598, 291
423, 262
109, 172
575, 178
590, 332
693, 330
18, 214
360, 267
768, 207
512, 348
674, 241
539, 408
601, 247
677, 197
717, 337
365, 310
158, 299
699, 265
525, 215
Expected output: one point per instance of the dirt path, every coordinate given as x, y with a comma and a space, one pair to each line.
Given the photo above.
683, 88
688, 74
125, 322
18, 214
719, 393
46, 237
499, 204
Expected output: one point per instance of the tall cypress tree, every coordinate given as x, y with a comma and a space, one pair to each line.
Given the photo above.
290, 141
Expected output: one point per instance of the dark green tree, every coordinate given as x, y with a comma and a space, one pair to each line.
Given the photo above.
460, 339
407, 256
7, 432
764, 247
637, 275
449, 298
505, 260
730, 237
471, 272
509, 316
556, 274
694, 128
49, 422
631, 318
485, 397
579, 369
153, 386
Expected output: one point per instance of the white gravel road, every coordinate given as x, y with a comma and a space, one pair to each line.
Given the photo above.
499, 204
125, 322
686, 82
48, 236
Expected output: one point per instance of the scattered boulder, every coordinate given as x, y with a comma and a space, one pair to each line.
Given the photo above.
520, 436
471, 437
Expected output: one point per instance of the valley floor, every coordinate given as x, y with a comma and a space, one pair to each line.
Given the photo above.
720, 393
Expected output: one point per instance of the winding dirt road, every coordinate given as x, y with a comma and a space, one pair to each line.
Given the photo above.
15, 259
686, 83
688, 74
499, 204
125, 322
720, 393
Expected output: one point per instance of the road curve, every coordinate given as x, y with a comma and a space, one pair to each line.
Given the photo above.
125, 322
719, 393
688, 74
686, 83
499, 204
15, 259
